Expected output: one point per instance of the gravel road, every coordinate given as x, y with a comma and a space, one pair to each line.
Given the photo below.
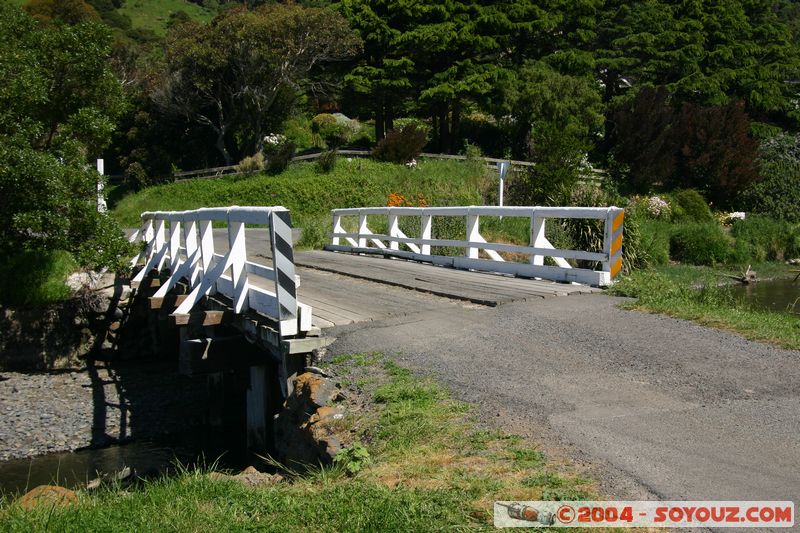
655, 407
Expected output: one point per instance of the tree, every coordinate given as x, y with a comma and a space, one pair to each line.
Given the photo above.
668, 144
709, 53
237, 74
58, 102
555, 119
61, 11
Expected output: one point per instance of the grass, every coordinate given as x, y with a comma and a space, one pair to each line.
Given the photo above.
429, 469
35, 278
311, 195
154, 14
695, 293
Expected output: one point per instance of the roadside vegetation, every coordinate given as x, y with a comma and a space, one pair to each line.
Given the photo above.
418, 464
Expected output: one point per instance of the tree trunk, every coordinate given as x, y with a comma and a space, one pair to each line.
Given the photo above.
444, 130
380, 128
456, 127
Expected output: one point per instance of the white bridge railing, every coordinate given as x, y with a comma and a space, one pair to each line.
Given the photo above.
183, 241
418, 248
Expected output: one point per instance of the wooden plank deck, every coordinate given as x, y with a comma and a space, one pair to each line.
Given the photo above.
346, 288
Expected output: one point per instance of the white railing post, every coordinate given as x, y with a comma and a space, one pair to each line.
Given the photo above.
207, 249
174, 245
425, 233
160, 242
473, 235
280, 228
538, 239
394, 231
192, 251
337, 228
238, 257
363, 230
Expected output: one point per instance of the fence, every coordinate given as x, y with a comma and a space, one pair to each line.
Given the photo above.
363, 240
187, 249
592, 175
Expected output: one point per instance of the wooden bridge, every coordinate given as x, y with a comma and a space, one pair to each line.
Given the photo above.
245, 276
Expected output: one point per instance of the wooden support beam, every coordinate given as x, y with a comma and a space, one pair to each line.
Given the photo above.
170, 301
203, 318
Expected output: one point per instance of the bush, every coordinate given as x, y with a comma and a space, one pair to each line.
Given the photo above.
35, 278
760, 238
777, 195
326, 162
251, 164
700, 244
401, 146
297, 130
335, 130
689, 205
279, 157
654, 241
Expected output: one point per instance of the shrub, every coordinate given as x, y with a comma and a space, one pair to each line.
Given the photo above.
335, 130
700, 244
654, 241
297, 130
689, 205
777, 195
760, 238
326, 162
400, 146
251, 164
279, 157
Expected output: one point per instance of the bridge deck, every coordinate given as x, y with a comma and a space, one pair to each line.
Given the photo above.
360, 288
345, 288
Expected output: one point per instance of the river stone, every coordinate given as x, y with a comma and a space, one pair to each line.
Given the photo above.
48, 496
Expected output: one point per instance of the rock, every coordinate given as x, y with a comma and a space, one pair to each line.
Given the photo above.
124, 474
307, 429
249, 477
49, 496
316, 388
318, 371
93, 484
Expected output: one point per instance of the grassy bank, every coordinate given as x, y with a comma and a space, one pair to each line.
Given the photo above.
695, 293
426, 469
311, 195
35, 278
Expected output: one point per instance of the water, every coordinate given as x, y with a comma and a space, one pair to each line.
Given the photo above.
777, 295
197, 447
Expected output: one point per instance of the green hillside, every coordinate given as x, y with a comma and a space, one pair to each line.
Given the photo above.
154, 14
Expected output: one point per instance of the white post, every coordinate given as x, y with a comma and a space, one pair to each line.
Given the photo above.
337, 228
538, 239
174, 245
394, 229
425, 233
161, 241
207, 248
473, 235
363, 230
190, 238
502, 169
102, 207
238, 257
